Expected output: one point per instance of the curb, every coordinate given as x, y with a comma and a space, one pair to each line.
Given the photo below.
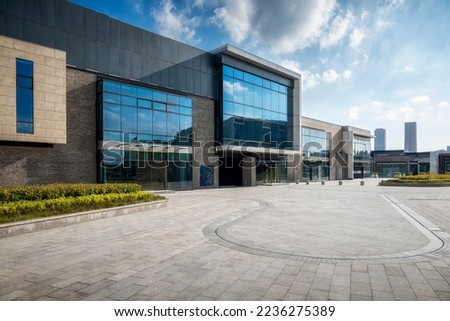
18, 228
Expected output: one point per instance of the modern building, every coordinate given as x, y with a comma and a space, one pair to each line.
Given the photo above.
380, 139
448, 149
440, 162
411, 137
332, 151
87, 98
391, 163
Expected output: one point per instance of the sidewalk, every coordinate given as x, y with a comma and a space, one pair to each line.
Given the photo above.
287, 242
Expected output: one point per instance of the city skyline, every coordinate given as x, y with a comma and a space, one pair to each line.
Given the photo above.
410, 137
380, 139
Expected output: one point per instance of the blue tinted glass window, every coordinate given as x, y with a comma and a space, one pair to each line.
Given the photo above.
228, 107
144, 93
159, 106
228, 89
144, 103
141, 114
24, 68
257, 81
24, 97
258, 113
266, 83
129, 119
238, 89
239, 110
184, 101
172, 99
185, 122
186, 110
129, 90
266, 98
111, 98
238, 74
145, 120
173, 124
258, 96
173, 109
248, 77
130, 101
111, 117
111, 87
248, 94
227, 71
25, 82
159, 123
248, 112
159, 96
112, 136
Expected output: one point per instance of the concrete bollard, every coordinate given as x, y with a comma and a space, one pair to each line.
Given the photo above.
362, 183
307, 182
340, 182
297, 182
322, 182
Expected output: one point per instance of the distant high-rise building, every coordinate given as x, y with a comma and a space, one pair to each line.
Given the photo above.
411, 137
448, 149
380, 139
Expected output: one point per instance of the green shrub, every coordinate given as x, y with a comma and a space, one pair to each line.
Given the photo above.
52, 191
421, 179
27, 209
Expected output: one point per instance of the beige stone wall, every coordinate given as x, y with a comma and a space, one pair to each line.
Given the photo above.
49, 92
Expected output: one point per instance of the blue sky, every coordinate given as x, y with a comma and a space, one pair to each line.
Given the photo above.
369, 63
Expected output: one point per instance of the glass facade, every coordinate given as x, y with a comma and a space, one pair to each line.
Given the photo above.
316, 153
24, 96
254, 110
361, 157
146, 136
391, 169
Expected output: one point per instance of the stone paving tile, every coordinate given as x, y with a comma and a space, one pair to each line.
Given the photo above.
167, 257
276, 292
382, 295
340, 293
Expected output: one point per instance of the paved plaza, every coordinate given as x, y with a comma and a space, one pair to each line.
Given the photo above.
286, 242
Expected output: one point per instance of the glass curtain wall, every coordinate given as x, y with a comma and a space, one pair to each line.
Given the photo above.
146, 134
361, 157
254, 110
316, 154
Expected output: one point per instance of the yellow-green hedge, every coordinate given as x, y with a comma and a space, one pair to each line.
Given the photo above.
26, 209
423, 178
52, 191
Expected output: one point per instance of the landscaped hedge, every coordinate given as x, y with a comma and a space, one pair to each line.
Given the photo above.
45, 192
423, 178
26, 209
419, 180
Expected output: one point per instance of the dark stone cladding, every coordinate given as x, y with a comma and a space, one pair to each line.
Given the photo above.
74, 162
203, 137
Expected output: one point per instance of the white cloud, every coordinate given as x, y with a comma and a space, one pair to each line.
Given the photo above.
174, 23
420, 99
443, 104
377, 104
235, 18
391, 115
330, 76
309, 80
356, 37
409, 69
347, 74
354, 112
406, 111
283, 26
136, 5
338, 30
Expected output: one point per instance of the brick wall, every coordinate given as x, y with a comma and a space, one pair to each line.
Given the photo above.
31, 163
